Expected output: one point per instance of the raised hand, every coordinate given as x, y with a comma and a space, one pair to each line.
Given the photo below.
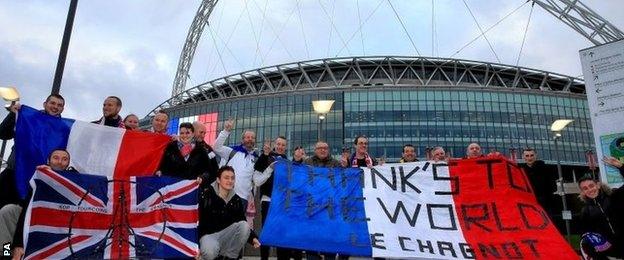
344, 159
610, 160
228, 125
15, 107
266, 148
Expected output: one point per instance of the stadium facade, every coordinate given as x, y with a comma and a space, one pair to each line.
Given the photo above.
395, 101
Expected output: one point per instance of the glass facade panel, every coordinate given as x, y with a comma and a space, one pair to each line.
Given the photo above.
274, 116
498, 121
407, 111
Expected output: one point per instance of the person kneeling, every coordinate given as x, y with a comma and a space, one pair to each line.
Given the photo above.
223, 230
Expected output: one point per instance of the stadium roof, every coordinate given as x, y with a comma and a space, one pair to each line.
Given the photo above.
375, 71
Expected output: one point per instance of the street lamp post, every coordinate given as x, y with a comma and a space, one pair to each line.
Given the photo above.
60, 64
512, 154
556, 128
321, 107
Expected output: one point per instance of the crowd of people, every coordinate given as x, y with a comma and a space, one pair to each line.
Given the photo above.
230, 175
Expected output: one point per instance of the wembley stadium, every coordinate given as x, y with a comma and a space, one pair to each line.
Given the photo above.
395, 101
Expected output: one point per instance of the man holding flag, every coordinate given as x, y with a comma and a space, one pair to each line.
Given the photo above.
58, 161
53, 106
116, 155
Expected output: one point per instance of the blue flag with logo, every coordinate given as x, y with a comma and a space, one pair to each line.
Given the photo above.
317, 209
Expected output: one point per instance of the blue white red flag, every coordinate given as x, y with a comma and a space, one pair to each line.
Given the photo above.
96, 149
476, 208
83, 216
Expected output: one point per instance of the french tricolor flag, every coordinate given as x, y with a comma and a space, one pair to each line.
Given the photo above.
480, 208
96, 149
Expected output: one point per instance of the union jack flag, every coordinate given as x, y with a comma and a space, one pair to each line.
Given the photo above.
86, 216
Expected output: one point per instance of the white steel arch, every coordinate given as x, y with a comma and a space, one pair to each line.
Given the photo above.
571, 12
582, 19
192, 39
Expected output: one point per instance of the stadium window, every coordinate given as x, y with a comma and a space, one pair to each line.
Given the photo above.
455, 96
429, 95
438, 96
396, 95
479, 97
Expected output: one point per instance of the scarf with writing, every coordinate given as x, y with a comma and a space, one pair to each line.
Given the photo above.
354, 161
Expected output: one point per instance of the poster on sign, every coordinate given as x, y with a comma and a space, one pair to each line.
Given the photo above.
466, 209
603, 71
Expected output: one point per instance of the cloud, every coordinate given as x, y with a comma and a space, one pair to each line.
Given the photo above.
111, 53
131, 48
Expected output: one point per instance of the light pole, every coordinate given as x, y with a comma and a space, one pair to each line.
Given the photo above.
512, 154
321, 107
8, 94
556, 128
60, 64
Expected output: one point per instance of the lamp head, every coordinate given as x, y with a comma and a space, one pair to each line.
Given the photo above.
9, 94
322, 106
560, 124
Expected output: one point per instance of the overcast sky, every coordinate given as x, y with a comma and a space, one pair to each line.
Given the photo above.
131, 48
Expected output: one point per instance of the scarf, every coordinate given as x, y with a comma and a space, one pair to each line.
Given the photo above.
185, 149
369, 161
114, 122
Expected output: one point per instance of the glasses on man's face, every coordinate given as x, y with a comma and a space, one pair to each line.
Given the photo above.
529, 155
322, 148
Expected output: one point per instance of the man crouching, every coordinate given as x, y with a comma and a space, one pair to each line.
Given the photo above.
223, 230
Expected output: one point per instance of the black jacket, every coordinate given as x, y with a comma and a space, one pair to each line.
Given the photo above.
261, 164
198, 163
7, 127
7, 177
605, 215
7, 132
213, 164
112, 122
543, 181
318, 162
8, 188
216, 214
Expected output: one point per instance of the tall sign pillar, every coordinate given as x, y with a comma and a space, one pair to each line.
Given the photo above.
603, 69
